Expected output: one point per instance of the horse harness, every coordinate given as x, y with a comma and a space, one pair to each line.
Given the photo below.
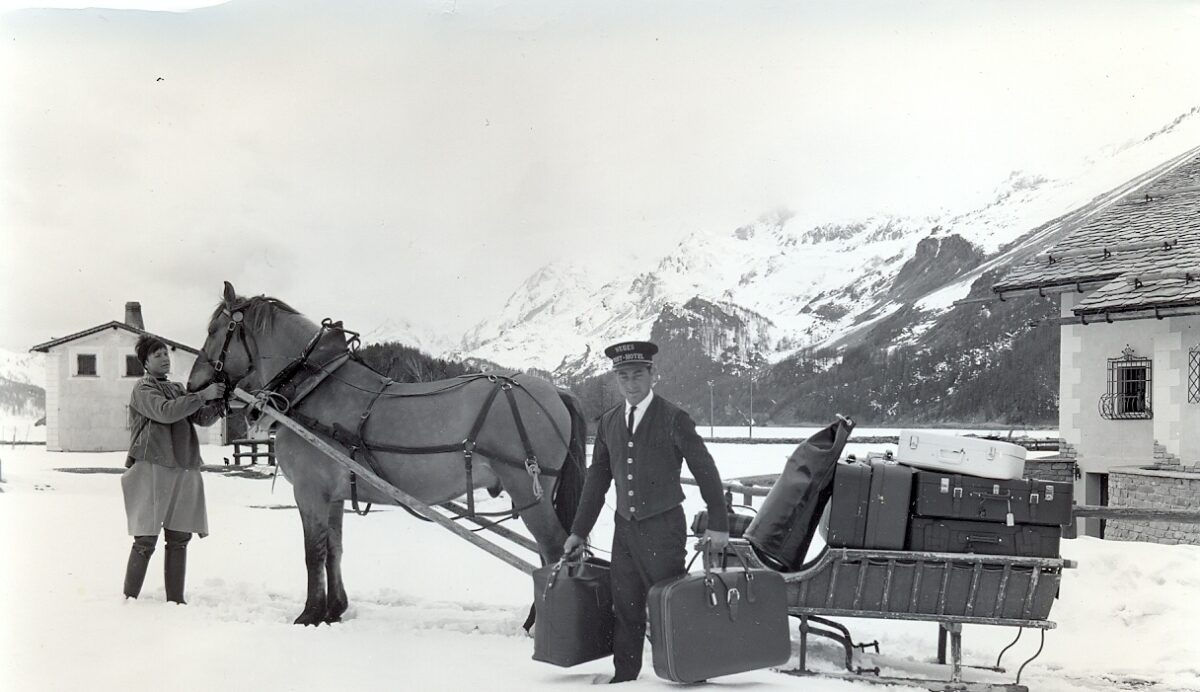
288, 387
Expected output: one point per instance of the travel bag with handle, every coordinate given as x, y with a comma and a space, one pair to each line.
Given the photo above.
983, 537
1024, 501
784, 526
972, 456
727, 619
575, 618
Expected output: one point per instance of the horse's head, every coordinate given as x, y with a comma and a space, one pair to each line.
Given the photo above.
226, 355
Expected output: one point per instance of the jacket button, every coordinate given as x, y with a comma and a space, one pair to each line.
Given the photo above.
629, 460
633, 509
630, 476
631, 493
631, 443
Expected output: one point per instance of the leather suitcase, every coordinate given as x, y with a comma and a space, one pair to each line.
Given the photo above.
574, 612
870, 506
719, 622
784, 526
972, 456
1022, 501
848, 506
891, 499
983, 537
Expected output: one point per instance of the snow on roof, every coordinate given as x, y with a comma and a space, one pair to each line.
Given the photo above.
1152, 233
45, 347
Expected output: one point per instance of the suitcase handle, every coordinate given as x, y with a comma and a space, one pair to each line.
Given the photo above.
1002, 495
984, 539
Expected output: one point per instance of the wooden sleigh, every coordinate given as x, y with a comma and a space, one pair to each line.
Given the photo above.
951, 589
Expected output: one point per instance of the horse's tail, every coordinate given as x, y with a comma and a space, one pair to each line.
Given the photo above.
570, 476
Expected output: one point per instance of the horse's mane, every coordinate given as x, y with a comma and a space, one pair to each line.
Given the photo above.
259, 311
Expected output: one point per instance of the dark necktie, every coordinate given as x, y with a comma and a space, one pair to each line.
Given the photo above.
631, 410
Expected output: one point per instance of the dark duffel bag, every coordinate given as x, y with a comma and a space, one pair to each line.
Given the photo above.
784, 525
723, 621
1023, 501
983, 537
574, 612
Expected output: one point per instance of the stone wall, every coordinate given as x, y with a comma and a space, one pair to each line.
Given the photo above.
1137, 487
1051, 469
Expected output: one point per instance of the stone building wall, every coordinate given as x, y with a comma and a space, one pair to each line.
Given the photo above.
1139, 487
1051, 469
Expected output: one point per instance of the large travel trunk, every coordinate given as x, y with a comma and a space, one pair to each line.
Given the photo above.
965, 455
719, 622
870, 505
574, 612
983, 537
784, 525
1023, 501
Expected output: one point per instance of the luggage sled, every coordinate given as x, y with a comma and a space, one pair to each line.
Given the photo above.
951, 589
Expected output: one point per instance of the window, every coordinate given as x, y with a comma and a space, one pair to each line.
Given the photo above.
133, 367
1194, 376
1128, 396
85, 365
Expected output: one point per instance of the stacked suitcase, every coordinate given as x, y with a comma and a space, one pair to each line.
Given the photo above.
948, 494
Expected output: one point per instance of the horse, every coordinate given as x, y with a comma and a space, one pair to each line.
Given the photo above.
433, 440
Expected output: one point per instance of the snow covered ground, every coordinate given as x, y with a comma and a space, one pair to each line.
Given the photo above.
430, 612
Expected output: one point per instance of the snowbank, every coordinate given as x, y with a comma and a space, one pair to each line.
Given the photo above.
430, 612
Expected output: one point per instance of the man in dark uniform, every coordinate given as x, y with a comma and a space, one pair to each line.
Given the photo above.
641, 445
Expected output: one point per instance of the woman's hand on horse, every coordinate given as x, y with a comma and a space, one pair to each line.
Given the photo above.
573, 545
216, 390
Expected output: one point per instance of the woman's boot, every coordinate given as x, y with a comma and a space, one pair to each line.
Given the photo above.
139, 560
175, 567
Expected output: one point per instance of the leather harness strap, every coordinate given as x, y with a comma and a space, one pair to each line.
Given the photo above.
285, 385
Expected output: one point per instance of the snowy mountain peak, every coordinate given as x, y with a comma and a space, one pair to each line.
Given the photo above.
814, 283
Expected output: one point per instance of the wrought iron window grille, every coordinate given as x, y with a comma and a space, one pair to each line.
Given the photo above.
1129, 388
1194, 375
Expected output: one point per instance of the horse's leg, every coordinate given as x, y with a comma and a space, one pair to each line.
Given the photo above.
542, 521
314, 515
337, 602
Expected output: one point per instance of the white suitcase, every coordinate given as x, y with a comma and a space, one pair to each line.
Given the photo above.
969, 456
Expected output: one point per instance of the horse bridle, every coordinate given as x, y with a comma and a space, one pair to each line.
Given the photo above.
237, 318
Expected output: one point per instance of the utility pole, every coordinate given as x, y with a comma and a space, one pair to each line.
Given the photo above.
710, 410
752, 403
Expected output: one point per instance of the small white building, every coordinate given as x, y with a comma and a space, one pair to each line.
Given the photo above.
1129, 390
89, 376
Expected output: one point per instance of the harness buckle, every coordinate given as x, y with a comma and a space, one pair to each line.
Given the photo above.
468, 448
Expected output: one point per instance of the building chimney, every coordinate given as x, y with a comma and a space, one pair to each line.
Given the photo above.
133, 315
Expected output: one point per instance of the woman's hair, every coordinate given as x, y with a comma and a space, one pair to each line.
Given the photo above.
146, 345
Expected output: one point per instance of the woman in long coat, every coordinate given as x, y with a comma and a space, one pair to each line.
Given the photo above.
162, 485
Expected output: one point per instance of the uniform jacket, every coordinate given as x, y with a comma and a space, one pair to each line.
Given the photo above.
646, 468
161, 414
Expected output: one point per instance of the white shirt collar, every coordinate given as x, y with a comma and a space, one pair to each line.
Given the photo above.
640, 410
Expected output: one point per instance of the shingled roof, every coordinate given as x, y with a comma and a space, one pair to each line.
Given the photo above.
1141, 253
44, 347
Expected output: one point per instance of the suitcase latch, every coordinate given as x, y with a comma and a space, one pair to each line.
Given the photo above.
913, 442
733, 597
944, 486
1049, 493
991, 453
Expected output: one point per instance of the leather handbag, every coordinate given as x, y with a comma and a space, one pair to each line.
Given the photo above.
725, 620
573, 599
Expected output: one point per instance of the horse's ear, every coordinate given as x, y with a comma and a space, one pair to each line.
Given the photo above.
230, 294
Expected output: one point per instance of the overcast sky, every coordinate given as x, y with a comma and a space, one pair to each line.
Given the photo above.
375, 160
